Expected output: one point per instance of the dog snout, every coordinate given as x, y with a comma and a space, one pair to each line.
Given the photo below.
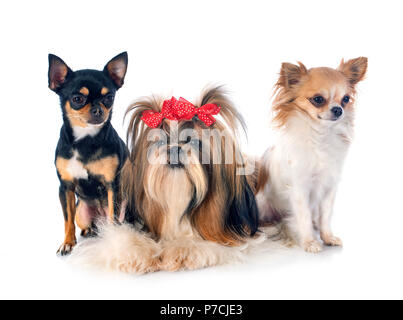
174, 156
97, 115
97, 112
337, 112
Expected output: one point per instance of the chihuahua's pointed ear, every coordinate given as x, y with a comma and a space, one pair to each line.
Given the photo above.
58, 72
291, 74
354, 69
116, 69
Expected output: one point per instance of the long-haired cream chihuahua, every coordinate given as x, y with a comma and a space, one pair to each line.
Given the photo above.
298, 178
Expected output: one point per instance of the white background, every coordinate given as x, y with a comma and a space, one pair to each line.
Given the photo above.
178, 47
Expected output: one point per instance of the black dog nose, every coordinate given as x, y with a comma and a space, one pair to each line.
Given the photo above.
174, 156
337, 111
97, 112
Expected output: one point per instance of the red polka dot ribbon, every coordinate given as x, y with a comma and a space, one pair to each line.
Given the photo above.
180, 110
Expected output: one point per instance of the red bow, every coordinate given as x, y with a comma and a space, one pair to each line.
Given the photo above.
180, 110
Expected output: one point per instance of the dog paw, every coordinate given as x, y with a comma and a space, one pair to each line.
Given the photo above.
172, 259
332, 241
139, 267
289, 242
312, 246
179, 258
66, 248
88, 233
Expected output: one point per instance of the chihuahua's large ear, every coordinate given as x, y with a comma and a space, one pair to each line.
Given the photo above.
58, 72
291, 74
116, 69
354, 69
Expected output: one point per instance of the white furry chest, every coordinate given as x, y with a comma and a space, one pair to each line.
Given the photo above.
315, 154
323, 175
76, 168
89, 130
325, 163
306, 162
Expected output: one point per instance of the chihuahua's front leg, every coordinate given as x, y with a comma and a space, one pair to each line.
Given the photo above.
68, 202
300, 222
325, 214
106, 168
111, 203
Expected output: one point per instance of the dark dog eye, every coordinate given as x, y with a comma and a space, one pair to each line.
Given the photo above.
108, 100
160, 143
318, 101
78, 100
346, 99
194, 143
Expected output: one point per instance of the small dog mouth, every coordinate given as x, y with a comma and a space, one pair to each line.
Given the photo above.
96, 122
175, 158
176, 165
331, 119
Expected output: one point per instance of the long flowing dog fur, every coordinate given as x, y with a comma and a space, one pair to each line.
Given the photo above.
118, 248
194, 217
125, 249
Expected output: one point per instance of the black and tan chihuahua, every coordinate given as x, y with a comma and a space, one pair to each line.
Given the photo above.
90, 153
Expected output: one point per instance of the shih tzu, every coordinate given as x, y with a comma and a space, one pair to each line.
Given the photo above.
189, 199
